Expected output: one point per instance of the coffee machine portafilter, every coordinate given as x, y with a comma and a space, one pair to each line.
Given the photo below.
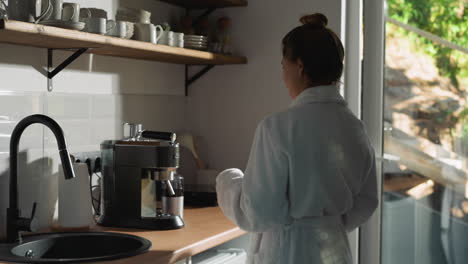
125, 163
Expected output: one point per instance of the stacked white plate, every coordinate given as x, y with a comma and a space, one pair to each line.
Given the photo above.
196, 42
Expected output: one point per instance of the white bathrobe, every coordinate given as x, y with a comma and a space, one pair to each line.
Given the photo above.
309, 179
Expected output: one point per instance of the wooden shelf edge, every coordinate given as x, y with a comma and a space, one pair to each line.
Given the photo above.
28, 34
206, 244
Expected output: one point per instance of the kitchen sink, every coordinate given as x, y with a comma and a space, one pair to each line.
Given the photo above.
73, 247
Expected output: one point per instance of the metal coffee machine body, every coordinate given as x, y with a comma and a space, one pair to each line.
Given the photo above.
126, 164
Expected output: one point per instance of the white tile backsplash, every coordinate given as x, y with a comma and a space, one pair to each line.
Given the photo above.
68, 106
4, 181
76, 132
85, 80
22, 68
31, 138
164, 113
16, 105
101, 130
105, 107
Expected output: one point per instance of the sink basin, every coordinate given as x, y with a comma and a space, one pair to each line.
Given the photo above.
74, 247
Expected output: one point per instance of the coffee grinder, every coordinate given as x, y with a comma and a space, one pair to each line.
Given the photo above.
128, 165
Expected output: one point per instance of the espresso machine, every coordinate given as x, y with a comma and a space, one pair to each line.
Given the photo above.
127, 167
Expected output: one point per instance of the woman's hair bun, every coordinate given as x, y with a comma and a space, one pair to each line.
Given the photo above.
316, 19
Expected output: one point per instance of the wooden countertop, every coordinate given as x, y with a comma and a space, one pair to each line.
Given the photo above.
204, 228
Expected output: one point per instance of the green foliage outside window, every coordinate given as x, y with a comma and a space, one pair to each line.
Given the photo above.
444, 18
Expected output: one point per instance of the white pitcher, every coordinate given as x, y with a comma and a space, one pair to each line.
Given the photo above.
3, 10
28, 10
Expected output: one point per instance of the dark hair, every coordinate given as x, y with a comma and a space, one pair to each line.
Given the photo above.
318, 47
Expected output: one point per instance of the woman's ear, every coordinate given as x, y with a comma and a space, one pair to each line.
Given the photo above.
300, 67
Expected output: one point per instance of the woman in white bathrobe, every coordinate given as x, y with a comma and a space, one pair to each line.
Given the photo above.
311, 174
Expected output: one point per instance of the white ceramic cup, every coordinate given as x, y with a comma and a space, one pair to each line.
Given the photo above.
95, 25
179, 43
130, 29
119, 30
110, 25
71, 12
148, 32
55, 11
178, 36
167, 34
178, 39
167, 38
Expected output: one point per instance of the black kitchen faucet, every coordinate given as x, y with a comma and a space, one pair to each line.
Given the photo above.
15, 222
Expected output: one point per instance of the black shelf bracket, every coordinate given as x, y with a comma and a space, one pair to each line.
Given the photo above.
51, 73
196, 76
207, 68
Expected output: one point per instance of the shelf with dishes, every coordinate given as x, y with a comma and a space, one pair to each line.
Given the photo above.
131, 35
37, 35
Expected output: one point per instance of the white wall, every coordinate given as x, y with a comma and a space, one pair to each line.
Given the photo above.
227, 103
91, 99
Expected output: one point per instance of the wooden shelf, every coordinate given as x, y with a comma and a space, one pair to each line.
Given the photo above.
28, 34
202, 4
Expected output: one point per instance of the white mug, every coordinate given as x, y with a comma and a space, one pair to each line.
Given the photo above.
55, 11
167, 38
110, 25
179, 40
130, 29
95, 25
71, 12
148, 32
119, 30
